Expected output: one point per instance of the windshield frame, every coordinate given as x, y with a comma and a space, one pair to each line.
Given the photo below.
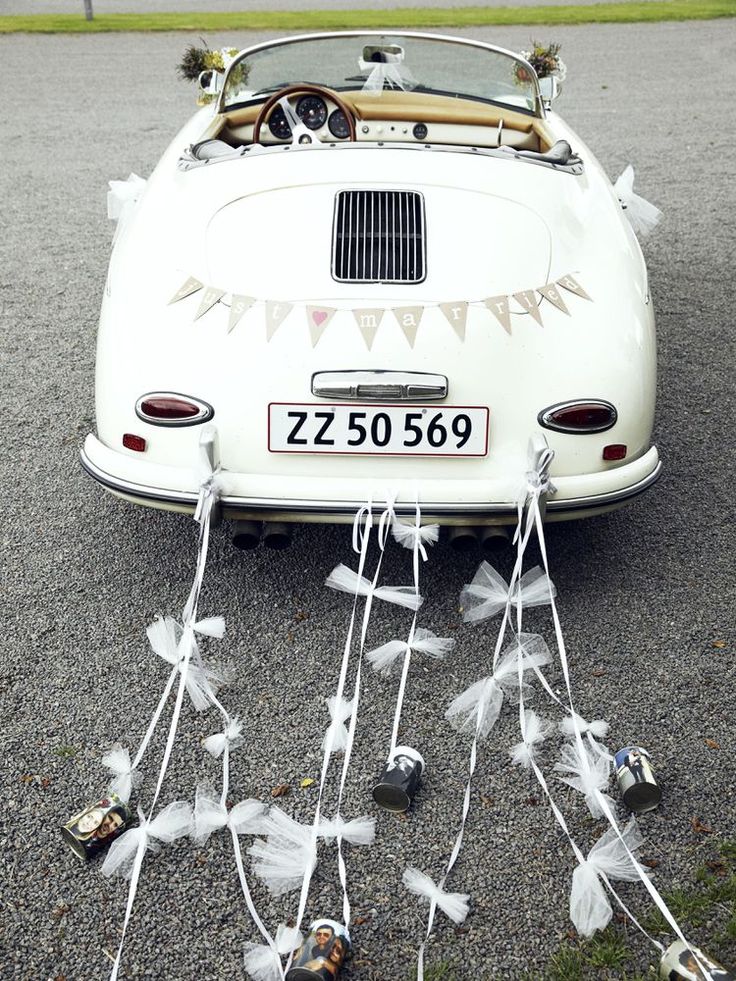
539, 112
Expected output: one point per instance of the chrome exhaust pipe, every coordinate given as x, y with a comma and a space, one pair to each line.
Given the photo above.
494, 539
248, 535
462, 538
277, 534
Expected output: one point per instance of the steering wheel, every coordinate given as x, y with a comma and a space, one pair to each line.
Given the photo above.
299, 132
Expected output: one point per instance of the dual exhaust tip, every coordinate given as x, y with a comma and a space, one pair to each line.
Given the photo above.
277, 535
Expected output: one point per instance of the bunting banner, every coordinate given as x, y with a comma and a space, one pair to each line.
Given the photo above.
502, 309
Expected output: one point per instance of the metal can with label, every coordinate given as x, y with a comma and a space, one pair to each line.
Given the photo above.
636, 782
322, 954
679, 963
399, 780
97, 826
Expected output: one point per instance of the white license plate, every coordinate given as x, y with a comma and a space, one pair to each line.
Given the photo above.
395, 430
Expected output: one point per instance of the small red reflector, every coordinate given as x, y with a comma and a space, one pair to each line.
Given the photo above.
132, 442
166, 407
614, 451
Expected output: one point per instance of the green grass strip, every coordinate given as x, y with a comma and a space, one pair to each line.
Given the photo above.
306, 20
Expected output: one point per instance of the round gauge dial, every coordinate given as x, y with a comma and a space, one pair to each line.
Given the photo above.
338, 125
312, 111
279, 125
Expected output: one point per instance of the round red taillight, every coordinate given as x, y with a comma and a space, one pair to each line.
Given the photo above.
171, 409
580, 416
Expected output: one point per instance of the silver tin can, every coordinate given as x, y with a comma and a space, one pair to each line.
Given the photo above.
400, 779
321, 956
97, 826
636, 782
679, 964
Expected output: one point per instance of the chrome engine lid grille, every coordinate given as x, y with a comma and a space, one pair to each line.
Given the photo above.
378, 237
375, 385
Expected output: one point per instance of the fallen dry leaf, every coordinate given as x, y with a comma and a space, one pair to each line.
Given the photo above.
45, 782
698, 826
717, 868
60, 911
281, 790
307, 782
27, 778
360, 920
60, 977
599, 672
712, 744
200, 858
532, 801
651, 863
720, 644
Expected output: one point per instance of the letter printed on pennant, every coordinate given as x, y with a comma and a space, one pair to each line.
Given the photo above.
528, 300
571, 284
318, 318
409, 319
186, 289
457, 315
368, 321
499, 307
276, 313
551, 293
239, 306
209, 298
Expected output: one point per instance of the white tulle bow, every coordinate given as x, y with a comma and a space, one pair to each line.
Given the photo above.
336, 734
263, 963
536, 731
283, 858
210, 814
598, 728
384, 658
346, 580
166, 638
488, 593
412, 536
478, 707
174, 821
453, 904
358, 831
590, 909
118, 760
230, 736
122, 198
587, 772
642, 214
388, 73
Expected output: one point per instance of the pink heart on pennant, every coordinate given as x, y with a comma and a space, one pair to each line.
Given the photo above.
319, 317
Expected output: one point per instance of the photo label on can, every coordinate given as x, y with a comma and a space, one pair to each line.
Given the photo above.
399, 781
97, 826
321, 956
680, 963
635, 776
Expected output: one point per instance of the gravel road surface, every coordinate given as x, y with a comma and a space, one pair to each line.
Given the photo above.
645, 593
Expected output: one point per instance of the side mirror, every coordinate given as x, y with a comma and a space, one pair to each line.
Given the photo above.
210, 82
549, 89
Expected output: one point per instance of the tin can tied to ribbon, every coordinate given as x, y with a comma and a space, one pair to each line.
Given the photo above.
400, 779
636, 781
97, 826
678, 963
322, 954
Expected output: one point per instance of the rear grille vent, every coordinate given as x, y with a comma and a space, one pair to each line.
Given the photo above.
378, 237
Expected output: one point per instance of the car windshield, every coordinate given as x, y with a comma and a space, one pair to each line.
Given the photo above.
377, 63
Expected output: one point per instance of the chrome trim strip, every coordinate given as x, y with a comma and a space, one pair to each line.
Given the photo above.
398, 386
345, 508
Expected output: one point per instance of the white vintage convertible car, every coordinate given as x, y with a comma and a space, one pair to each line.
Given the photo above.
377, 265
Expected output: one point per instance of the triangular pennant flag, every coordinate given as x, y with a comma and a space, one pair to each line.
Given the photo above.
318, 318
551, 293
571, 284
457, 314
209, 298
186, 289
239, 305
276, 313
499, 307
368, 320
528, 300
409, 319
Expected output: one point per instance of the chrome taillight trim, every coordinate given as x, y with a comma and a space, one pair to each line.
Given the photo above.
544, 418
206, 412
